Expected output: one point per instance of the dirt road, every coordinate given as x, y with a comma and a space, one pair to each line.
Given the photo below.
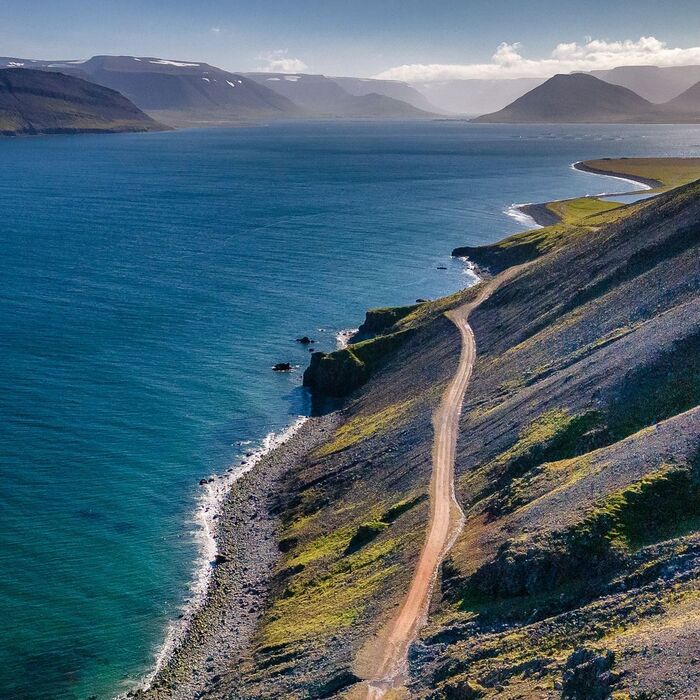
390, 670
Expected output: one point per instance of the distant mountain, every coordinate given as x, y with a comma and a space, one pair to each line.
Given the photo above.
651, 82
179, 93
187, 93
38, 102
471, 97
389, 88
687, 102
576, 98
322, 96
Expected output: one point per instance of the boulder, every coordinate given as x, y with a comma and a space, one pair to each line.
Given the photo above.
588, 675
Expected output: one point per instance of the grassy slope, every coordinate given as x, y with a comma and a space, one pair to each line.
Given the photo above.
581, 216
670, 172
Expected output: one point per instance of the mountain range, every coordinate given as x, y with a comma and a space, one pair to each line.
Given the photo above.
583, 98
481, 96
655, 84
185, 93
347, 97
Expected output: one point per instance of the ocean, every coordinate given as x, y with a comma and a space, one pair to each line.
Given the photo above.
149, 283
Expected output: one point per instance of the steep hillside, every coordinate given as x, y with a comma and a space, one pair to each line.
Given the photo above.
575, 98
36, 102
577, 468
578, 472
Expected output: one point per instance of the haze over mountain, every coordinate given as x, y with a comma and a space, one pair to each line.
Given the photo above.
323, 96
183, 93
688, 101
37, 102
653, 83
583, 98
179, 93
187, 93
391, 88
475, 96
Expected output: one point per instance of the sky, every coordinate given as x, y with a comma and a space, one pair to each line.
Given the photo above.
415, 40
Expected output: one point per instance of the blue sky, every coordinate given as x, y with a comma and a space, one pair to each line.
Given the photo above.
356, 37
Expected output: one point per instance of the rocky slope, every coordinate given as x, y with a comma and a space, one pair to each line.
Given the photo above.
578, 470
36, 102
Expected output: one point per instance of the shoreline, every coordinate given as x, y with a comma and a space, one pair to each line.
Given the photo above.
646, 183
539, 214
239, 550
542, 216
219, 516
212, 640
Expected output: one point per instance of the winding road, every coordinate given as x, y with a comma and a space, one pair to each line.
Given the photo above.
390, 666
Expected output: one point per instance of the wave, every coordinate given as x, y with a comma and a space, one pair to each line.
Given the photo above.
343, 337
516, 212
637, 183
209, 506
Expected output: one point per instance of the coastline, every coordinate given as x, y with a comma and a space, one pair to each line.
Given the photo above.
213, 639
235, 571
646, 183
539, 214
542, 216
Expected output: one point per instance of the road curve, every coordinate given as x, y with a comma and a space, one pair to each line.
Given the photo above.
390, 670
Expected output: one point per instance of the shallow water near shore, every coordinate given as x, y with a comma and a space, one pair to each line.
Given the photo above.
149, 284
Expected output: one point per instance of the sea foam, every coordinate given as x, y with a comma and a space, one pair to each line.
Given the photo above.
209, 506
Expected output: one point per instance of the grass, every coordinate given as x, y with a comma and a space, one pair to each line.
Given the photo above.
582, 209
365, 534
327, 545
321, 606
398, 509
671, 172
659, 506
662, 389
534, 436
379, 320
362, 427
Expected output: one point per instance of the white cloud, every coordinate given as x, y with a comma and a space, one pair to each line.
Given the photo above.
215, 30
594, 54
279, 62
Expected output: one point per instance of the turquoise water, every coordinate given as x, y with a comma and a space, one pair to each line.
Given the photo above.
148, 284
